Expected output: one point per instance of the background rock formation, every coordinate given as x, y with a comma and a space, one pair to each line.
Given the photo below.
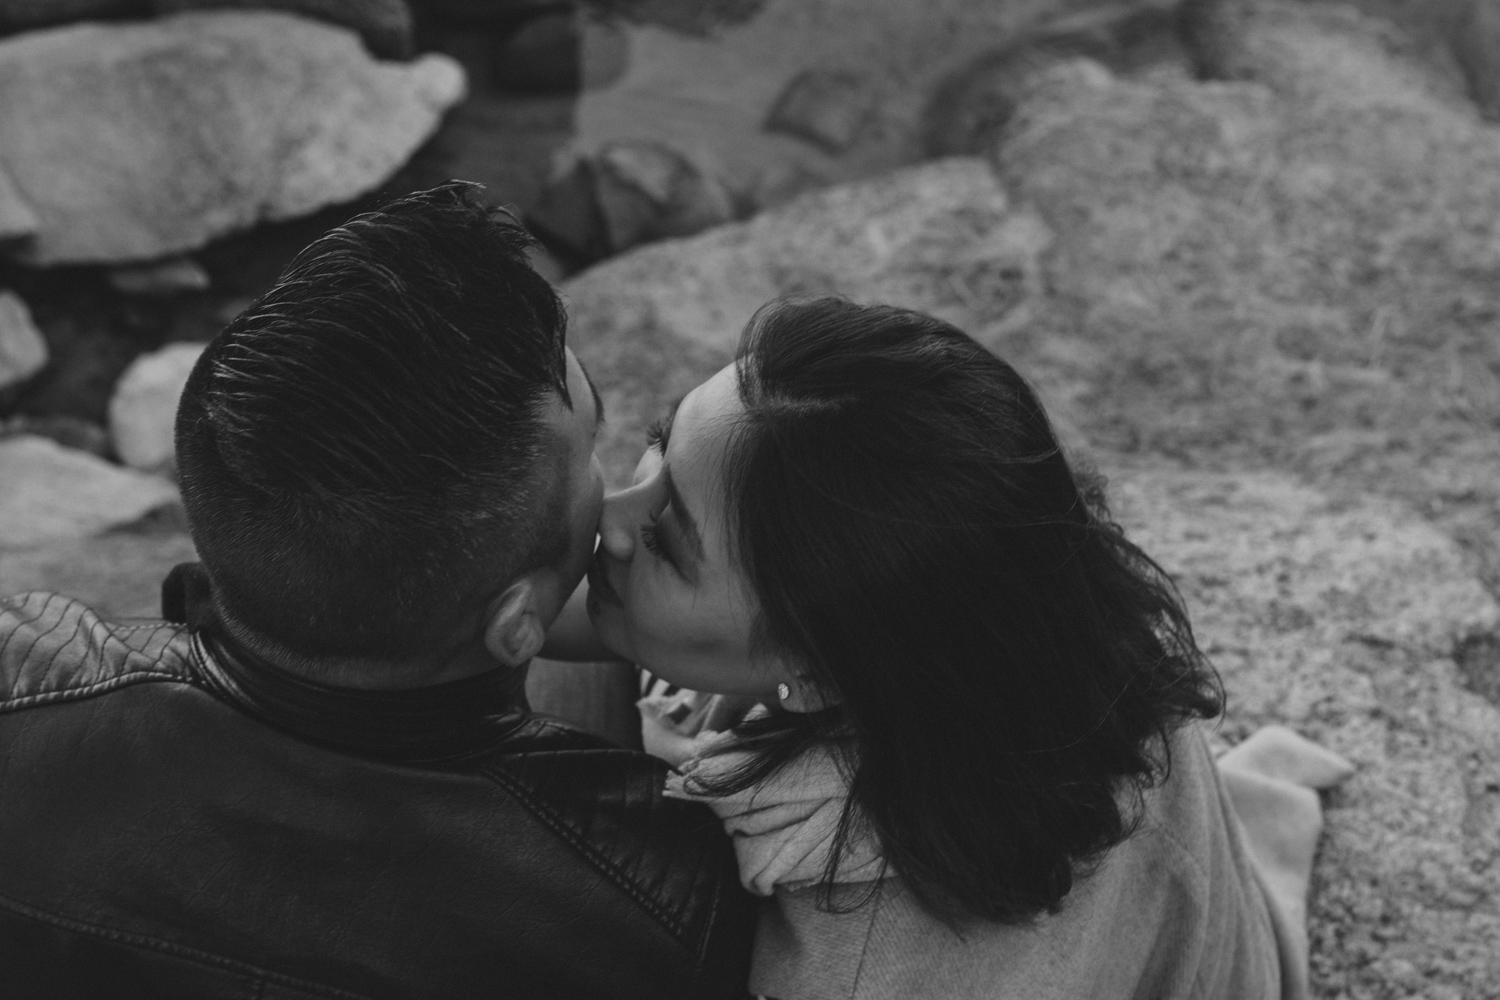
135, 141
1266, 309
385, 25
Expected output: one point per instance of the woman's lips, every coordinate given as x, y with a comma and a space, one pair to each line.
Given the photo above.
599, 585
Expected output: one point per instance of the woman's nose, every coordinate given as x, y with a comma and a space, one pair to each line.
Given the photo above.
618, 520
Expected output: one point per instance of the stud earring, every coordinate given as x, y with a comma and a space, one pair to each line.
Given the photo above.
783, 691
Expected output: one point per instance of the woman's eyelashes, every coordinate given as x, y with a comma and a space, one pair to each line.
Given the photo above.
651, 538
660, 431
656, 435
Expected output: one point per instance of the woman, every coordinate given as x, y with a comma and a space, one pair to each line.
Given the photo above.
953, 717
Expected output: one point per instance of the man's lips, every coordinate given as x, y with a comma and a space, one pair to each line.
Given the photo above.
599, 585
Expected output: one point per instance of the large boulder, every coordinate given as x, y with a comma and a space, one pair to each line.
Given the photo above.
143, 410
1300, 270
23, 350
1475, 38
117, 573
654, 323
70, 432
1350, 621
753, 90
543, 55
648, 192
50, 493
1295, 275
1266, 309
17, 220
137, 141
1351, 618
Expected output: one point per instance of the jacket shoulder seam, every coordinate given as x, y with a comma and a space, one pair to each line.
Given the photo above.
94, 689
547, 815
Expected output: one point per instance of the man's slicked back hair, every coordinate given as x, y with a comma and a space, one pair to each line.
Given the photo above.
361, 450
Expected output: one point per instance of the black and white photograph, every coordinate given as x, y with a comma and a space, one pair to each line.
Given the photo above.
750, 499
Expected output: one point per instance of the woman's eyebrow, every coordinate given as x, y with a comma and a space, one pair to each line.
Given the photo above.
684, 516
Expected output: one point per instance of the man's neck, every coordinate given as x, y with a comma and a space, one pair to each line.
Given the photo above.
467, 660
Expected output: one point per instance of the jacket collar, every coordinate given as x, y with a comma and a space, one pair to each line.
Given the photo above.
440, 723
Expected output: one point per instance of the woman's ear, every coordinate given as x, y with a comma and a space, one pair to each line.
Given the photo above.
799, 694
514, 632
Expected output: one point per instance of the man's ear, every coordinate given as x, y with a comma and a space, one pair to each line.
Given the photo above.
514, 633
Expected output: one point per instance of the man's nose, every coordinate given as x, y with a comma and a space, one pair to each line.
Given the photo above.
618, 520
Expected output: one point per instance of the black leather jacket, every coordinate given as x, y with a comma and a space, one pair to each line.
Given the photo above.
178, 822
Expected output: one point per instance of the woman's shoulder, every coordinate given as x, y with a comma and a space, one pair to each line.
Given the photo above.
1186, 815
1161, 911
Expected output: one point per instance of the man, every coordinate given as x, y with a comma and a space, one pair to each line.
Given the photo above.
327, 782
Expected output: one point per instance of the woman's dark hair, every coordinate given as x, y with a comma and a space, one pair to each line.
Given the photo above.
1008, 666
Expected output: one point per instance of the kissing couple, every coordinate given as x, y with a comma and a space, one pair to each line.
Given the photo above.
922, 721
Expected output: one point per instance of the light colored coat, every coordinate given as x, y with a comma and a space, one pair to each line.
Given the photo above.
1179, 911
1176, 912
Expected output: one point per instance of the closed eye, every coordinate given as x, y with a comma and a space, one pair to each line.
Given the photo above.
660, 432
651, 538
657, 434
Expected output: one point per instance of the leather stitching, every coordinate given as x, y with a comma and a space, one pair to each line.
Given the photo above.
713, 919
117, 629
180, 951
549, 816
89, 690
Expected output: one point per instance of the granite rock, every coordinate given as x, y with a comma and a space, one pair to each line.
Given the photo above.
1343, 619
630, 193
87, 355
133, 142
1214, 32
1299, 270
544, 55
709, 90
143, 410
1342, 614
647, 191
117, 573
567, 215
824, 106
70, 432
17, 219
1266, 309
1475, 38
23, 350
653, 323
970, 107
50, 493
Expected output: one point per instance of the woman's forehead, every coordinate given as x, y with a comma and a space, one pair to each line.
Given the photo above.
710, 402
700, 436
